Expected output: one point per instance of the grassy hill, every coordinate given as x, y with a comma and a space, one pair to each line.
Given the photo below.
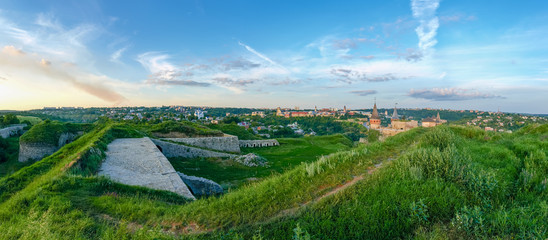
290, 153
182, 129
436, 183
50, 131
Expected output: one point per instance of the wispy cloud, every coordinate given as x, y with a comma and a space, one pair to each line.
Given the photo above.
363, 92
450, 94
115, 56
49, 37
425, 12
457, 18
241, 63
15, 59
234, 82
164, 73
262, 56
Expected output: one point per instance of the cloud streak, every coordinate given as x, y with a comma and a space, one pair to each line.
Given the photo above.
17, 59
165, 73
363, 92
425, 12
450, 94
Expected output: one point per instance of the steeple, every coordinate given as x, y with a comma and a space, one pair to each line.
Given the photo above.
438, 117
375, 114
395, 114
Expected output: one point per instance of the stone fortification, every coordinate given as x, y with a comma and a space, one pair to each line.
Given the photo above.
138, 162
35, 151
259, 143
177, 150
201, 186
38, 150
12, 130
227, 143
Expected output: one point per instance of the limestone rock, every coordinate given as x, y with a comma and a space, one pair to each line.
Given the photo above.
250, 160
201, 186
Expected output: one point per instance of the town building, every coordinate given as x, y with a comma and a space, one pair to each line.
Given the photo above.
433, 121
375, 120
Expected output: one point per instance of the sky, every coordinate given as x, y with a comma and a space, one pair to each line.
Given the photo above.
484, 55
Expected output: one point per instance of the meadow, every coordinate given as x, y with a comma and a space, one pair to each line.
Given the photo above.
290, 153
436, 183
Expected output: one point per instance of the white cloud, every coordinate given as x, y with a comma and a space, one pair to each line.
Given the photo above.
115, 56
450, 94
425, 12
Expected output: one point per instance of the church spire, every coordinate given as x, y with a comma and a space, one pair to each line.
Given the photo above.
375, 114
395, 114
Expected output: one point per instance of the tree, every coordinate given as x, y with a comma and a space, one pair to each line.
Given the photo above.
373, 135
10, 119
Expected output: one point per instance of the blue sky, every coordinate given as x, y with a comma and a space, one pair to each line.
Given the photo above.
418, 53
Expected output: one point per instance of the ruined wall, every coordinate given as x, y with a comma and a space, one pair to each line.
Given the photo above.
177, 150
12, 130
228, 143
404, 125
37, 151
259, 143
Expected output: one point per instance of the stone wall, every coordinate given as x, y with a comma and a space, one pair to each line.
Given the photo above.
35, 151
177, 150
12, 130
259, 143
228, 143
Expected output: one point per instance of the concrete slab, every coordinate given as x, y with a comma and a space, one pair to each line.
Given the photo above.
137, 161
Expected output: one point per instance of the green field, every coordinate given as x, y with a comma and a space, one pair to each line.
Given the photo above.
31, 119
426, 183
290, 153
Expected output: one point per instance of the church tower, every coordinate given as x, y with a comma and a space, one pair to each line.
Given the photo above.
395, 116
375, 120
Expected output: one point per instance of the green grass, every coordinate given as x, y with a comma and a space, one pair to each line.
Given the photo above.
31, 119
49, 132
235, 130
12, 164
290, 153
187, 128
440, 183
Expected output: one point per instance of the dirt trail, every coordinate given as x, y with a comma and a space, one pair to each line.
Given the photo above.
356, 179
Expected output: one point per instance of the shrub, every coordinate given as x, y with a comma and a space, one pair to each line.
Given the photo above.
440, 137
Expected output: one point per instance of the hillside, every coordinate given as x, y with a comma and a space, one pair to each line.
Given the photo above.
290, 153
182, 129
50, 131
443, 182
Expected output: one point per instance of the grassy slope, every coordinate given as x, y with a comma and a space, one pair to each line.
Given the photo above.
444, 182
49, 132
190, 129
31, 119
290, 153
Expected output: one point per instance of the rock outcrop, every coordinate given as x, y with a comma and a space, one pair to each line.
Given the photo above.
12, 130
201, 186
250, 160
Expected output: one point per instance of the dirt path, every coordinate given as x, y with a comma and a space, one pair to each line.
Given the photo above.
339, 188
